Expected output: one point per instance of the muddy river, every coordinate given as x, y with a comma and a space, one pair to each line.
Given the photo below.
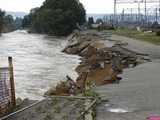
38, 62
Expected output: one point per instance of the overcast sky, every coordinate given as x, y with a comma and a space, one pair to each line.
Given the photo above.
91, 6
19, 5
98, 6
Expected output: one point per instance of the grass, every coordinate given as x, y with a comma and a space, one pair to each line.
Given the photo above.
90, 93
150, 37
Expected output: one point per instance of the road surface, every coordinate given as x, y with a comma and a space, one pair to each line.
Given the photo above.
138, 94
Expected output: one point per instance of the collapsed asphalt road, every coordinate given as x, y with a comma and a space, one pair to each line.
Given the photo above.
101, 62
138, 94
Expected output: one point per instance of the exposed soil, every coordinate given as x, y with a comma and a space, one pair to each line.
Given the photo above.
100, 64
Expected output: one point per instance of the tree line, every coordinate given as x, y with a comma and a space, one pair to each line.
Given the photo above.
58, 17
8, 23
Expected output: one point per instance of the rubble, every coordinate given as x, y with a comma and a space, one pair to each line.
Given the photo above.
99, 65
64, 88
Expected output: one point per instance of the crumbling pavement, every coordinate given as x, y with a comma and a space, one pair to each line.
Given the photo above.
99, 65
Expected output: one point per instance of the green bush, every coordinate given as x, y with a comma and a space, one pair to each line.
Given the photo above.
90, 93
158, 33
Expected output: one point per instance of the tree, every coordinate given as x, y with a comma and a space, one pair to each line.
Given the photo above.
2, 14
9, 24
26, 22
59, 17
99, 21
90, 20
155, 25
18, 23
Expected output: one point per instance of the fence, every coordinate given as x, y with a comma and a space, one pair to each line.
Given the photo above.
7, 90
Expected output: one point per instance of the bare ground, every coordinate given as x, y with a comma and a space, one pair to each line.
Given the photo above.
54, 108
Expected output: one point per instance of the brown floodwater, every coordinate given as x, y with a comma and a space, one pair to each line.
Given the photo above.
38, 62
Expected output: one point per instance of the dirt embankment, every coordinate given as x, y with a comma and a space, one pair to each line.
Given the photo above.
99, 64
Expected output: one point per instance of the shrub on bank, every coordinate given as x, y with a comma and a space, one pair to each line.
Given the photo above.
158, 33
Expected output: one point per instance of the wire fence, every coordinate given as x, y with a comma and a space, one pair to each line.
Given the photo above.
6, 88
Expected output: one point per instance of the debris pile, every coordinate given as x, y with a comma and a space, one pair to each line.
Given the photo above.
64, 88
99, 65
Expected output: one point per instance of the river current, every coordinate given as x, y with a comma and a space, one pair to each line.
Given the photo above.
38, 62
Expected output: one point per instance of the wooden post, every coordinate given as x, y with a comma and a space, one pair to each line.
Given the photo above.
11, 75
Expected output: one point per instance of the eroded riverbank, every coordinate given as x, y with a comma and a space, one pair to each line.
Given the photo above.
101, 62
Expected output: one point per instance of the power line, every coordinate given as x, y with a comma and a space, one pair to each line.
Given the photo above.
136, 1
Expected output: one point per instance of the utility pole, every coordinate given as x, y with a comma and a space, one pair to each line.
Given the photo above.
131, 15
115, 11
156, 14
139, 10
122, 19
145, 9
159, 9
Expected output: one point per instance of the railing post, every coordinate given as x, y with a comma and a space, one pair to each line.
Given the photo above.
11, 77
